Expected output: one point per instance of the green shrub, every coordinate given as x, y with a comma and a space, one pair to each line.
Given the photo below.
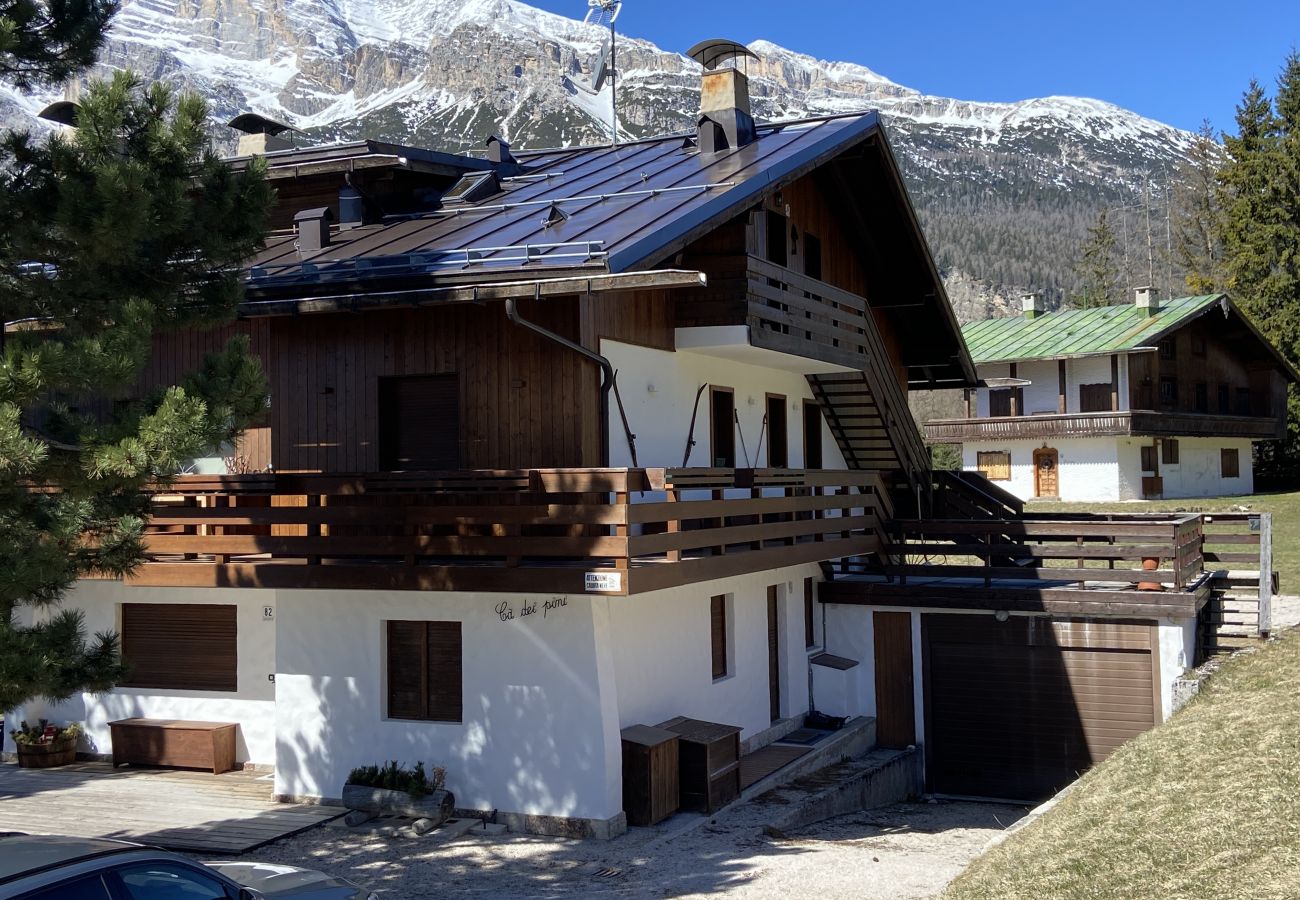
33, 734
393, 777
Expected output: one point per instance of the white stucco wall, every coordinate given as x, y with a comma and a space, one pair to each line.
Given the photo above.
661, 418
1177, 654
1198, 470
252, 706
1088, 467
539, 731
662, 656
1042, 394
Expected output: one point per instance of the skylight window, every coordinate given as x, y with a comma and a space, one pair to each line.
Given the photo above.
472, 188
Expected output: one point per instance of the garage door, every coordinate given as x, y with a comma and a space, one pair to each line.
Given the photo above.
1019, 709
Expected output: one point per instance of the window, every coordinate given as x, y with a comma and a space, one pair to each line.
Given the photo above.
1168, 391
168, 881
1006, 401
1198, 345
89, 888
1094, 397
718, 634
1243, 401
722, 428
778, 438
1149, 459
1229, 463
1169, 451
995, 465
812, 256
812, 435
1202, 397
1168, 348
1225, 399
809, 620
777, 249
419, 422
424, 671
180, 646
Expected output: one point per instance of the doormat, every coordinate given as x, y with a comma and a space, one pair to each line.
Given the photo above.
805, 736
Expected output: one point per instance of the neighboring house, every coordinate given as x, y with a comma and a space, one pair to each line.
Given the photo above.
1143, 401
458, 538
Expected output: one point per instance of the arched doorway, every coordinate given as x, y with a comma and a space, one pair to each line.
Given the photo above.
1047, 475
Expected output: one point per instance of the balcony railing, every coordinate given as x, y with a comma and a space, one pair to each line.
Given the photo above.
1136, 422
612, 531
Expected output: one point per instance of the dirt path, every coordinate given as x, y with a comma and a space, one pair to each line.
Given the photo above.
902, 851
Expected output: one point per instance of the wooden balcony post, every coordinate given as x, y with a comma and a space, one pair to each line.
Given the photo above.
313, 528
674, 524
622, 529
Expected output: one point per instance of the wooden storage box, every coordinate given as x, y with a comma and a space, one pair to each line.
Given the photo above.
651, 791
708, 762
170, 742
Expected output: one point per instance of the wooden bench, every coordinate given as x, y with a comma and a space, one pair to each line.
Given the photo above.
171, 742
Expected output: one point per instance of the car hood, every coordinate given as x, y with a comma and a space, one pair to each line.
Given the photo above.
289, 881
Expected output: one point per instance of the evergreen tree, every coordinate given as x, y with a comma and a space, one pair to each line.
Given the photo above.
1098, 267
1197, 247
1259, 191
126, 227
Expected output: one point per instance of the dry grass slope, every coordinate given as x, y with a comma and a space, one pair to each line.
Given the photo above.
1205, 806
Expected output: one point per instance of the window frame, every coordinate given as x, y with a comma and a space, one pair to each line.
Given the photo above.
1168, 398
1169, 452
1168, 347
981, 468
453, 714
719, 637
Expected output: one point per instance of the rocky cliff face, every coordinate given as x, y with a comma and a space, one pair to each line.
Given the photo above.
1005, 190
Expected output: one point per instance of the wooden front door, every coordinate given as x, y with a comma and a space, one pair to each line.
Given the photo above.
1047, 473
895, 700
773, 656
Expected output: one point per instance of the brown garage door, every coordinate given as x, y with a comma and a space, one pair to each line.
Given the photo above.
1019, 709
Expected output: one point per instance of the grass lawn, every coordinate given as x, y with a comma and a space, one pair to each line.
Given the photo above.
1284, 507
1205, 806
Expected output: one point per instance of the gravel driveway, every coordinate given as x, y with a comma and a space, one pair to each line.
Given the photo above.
901, 851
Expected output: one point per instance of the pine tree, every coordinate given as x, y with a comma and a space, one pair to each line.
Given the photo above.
1098, 266
1259, 192
127, 227
1197, 246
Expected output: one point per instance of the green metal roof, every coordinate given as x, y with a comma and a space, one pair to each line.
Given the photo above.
1079, 332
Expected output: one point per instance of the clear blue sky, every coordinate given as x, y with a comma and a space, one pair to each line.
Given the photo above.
1179, 62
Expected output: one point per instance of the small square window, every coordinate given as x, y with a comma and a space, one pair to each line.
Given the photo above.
995, 465
1168, 349
1198, 345
1168, 391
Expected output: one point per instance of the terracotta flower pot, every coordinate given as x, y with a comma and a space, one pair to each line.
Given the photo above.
46, 756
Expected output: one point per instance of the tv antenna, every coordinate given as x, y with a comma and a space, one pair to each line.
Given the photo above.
603, 14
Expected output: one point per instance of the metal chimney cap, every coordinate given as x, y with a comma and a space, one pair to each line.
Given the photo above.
717, 50
311, 215
64, 112
252, 123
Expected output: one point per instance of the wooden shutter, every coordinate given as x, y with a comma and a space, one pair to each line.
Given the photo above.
419, 422
424, 671
407, 666
1149, 459
809, 635
1094, 397
995, 465
181, 646
444, 668
1229, 463
718, 634
778, 437
1169, 451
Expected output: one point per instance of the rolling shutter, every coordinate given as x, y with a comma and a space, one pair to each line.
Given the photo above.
180, 646
419, 423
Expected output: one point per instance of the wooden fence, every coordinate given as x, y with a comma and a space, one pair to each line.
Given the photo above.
1238, 551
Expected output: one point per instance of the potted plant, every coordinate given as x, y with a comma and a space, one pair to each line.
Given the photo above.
43, 746
394, 790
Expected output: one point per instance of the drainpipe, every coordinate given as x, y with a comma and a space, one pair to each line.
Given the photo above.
606, 369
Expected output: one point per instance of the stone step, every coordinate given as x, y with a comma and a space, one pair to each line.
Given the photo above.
879, 778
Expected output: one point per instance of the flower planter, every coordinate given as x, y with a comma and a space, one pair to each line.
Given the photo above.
436, 806
46, 756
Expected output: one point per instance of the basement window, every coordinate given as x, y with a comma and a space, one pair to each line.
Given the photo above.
995, 465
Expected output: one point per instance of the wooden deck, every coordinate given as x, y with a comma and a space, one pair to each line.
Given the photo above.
179, 810
756, 766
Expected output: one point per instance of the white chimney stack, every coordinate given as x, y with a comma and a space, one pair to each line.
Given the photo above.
1033, 305
1147, 300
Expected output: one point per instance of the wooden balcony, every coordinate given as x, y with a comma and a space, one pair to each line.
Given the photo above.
1071, 564
563, 531
1136, 422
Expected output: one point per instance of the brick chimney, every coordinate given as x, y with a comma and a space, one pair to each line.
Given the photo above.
725, 121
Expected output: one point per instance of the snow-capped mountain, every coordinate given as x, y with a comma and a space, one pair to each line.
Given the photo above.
1006, 189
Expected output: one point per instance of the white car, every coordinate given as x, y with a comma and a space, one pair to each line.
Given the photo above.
45, 867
